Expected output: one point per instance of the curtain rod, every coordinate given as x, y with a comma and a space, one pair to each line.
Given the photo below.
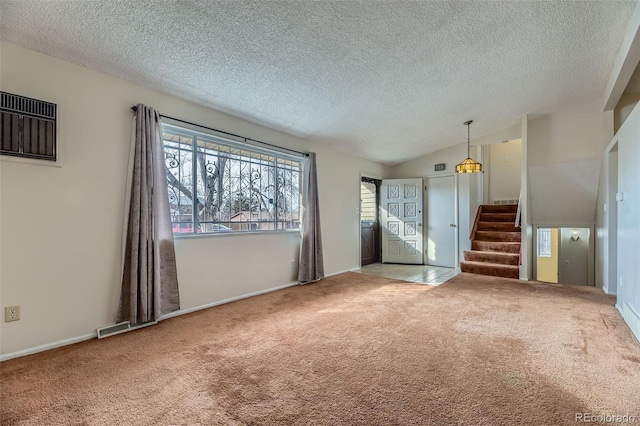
306, 154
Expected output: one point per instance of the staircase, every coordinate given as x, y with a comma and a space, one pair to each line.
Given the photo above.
495, 243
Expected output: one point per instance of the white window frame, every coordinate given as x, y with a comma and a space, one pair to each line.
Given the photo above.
280, 158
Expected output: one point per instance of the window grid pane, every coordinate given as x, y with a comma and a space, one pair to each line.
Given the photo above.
178, 160
237, 189
544, 242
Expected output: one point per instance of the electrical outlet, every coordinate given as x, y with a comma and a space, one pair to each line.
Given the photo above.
293, 263
11, 313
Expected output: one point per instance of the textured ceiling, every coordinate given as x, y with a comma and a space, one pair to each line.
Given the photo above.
384, 80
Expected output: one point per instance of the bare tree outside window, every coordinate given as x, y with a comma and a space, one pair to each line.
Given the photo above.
221, 186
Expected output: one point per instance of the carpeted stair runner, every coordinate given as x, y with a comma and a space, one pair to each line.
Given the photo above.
495, 244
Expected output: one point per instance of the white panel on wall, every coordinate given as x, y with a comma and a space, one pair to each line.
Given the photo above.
504, 171
564, 193
628, 262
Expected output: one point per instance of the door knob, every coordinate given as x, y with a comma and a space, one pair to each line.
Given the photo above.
453, 225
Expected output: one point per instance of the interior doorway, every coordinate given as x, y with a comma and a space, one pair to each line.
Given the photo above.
563, 255
369, 221
440, 221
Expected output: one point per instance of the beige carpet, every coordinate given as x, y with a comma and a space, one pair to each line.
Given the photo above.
350, 350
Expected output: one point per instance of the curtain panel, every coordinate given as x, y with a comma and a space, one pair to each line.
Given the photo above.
149, 280
311, 265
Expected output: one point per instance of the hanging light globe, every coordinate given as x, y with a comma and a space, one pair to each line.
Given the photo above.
469, 165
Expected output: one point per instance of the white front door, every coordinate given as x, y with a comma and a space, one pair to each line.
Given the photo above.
440, 221
401, 219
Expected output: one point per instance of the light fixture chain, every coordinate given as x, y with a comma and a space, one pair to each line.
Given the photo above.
469, 165
468, 140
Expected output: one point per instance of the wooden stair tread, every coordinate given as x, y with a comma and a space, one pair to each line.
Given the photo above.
493, 269
492, 257
499, 208
492, 265
497, 226
499, 236
498, 217
496, 246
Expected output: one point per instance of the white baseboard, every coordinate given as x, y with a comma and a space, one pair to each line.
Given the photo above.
341, 272
222, 302
631, 317
94, 335
605, 288
244, 296
48, 346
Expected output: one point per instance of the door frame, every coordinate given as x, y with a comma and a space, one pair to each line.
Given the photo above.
358, 214
456, 217
609, 246
592, 250
379, 228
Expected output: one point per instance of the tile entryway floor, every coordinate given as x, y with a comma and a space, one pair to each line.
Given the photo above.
423, 274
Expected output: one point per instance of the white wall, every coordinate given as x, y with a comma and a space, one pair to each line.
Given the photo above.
568, 137
469, 185
601, 261
424, 166
564, 152
504, 170
628, 260
612, 219
61, 227
628, 99
606, 261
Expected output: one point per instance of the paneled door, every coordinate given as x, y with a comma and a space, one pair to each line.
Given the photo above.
440, 221
401, 220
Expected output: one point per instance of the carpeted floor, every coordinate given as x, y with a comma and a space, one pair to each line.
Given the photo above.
350, 350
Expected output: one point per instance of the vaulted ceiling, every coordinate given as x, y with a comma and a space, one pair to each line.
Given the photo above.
387, 81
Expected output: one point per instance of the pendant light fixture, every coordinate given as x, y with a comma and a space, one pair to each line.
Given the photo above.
469, 165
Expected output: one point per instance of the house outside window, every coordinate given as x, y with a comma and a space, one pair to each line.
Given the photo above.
218, 185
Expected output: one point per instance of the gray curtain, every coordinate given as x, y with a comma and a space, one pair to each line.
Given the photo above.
311, 260
150, 280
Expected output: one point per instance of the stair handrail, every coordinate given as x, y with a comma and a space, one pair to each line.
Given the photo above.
475, 224
517, 223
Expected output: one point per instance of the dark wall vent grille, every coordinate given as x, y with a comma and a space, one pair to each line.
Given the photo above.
27, 127
24, 105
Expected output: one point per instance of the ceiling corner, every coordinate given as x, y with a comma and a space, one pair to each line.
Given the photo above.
626, 62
